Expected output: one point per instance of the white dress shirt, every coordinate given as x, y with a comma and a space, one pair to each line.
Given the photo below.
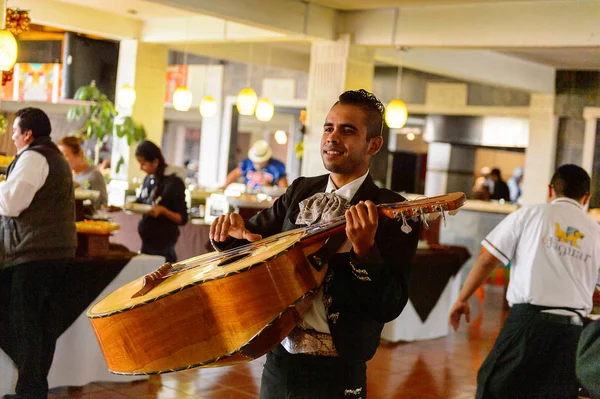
26, 178
316, 317
554, 254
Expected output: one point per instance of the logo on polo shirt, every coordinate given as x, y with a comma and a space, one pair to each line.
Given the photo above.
565, 242
570, 235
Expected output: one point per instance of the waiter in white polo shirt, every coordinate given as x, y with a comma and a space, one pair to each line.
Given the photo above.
554, 253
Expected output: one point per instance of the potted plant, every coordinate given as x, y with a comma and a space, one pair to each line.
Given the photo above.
102, 117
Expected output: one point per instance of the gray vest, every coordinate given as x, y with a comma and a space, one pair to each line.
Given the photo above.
46, 229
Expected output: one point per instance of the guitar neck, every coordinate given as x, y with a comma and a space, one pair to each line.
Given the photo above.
398, 210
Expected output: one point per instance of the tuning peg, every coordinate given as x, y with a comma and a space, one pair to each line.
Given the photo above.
405, 227
424, 221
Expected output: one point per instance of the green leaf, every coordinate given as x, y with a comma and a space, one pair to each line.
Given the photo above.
120, 163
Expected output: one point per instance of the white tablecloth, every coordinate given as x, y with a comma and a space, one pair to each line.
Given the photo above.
78, 359
409, 327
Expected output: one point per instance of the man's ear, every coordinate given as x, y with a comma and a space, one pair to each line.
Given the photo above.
28, 136
585, 200
375, 145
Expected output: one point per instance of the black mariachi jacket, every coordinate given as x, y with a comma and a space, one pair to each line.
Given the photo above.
360, 303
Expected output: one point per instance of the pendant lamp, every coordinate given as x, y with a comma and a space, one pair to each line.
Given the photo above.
208, 107
246, 101
127, 96
396, 113
264, 110
182, 98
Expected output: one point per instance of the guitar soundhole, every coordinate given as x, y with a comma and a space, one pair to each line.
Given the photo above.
234, 258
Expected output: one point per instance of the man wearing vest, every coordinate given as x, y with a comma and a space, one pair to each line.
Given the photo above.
37, 208
554, 254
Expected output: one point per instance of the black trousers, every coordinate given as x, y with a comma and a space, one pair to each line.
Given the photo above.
29, 327
168, 252
287, 376
533, 357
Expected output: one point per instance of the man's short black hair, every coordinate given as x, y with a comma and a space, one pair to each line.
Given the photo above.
372, 107
36, 120
571, 181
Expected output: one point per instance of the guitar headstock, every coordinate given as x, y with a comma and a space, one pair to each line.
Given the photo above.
433, 206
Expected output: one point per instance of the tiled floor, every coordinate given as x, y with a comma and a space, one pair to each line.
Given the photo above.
441, 368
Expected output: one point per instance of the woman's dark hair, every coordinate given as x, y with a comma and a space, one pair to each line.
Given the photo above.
36, 120
149, 151
373, 108
571, 181
73, 143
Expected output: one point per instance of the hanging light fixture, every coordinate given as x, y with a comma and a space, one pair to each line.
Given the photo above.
127, 96
8, 45
208, 107
264, 110
410, 136
182, 98
281, 137
247, 98
246, 101
396, 113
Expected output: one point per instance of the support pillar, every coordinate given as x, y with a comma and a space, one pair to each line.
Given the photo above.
541, 150
334, 68
143, 66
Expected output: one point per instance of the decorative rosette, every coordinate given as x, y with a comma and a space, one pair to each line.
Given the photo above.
17, 21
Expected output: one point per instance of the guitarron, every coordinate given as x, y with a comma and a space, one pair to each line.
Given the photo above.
190, 314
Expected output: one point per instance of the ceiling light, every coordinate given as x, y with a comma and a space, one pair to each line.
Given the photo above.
182, 99
264, 110
8, 50
246, 101
126, 96
280, 137
396, 114
208, 107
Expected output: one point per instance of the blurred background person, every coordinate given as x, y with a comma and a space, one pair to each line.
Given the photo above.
482, 186
499, 190
85, 175
259, 170
515, 185
164, 189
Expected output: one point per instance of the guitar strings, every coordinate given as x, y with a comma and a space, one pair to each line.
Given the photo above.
208, 261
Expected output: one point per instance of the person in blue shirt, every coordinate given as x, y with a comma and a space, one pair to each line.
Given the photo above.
260, 169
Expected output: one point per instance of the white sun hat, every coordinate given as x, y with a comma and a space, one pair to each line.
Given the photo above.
260, 152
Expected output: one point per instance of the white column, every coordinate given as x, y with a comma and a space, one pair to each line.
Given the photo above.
591, 116
213, 135
334, 67
541, 151
143, 66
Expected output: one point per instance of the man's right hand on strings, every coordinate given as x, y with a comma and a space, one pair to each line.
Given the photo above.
231, 225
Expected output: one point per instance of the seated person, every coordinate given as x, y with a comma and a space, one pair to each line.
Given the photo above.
260, 169
84, 174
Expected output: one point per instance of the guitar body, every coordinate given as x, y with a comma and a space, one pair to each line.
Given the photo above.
225, 307
210, 315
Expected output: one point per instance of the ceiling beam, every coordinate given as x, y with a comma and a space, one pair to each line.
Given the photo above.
285, 16
202, 28
558, 23
80, 19
483, 66
259, 53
